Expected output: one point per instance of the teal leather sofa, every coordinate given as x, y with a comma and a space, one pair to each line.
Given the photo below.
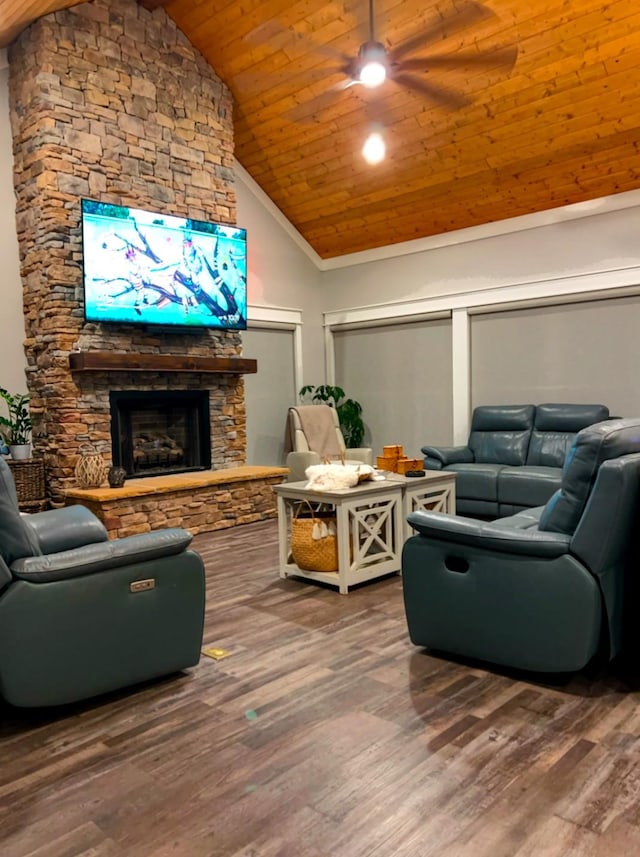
541, 590
81, 615
514, 456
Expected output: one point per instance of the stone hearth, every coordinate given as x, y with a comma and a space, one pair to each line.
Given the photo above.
111, 102
200, 502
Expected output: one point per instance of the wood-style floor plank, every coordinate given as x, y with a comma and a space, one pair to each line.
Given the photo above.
325, 733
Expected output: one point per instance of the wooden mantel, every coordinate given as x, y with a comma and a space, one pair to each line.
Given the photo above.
117, 361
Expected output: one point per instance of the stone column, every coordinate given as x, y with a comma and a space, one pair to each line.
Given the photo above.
111, 102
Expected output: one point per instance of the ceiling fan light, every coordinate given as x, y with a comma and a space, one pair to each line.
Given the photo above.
372, 74
374, 148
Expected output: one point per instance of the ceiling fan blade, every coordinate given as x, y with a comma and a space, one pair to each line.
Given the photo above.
253, 83
308, 112
277, 36
435, 92
323, 50
501, 57
445, 25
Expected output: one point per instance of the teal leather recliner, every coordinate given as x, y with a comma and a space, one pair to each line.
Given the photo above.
544, 589
81, 615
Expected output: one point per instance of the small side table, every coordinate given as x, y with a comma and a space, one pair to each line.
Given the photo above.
29, 479
433, 492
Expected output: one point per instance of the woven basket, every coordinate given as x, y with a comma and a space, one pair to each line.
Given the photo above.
308, 553
29, 479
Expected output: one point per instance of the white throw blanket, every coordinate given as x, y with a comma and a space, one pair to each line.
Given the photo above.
334, 477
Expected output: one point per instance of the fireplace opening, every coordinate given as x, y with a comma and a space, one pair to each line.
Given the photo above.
160, 432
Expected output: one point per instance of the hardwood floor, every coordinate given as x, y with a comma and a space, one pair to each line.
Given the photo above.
325, 733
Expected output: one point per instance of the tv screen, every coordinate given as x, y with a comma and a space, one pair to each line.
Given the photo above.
142, 267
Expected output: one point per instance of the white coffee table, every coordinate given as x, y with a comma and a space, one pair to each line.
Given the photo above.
370, 527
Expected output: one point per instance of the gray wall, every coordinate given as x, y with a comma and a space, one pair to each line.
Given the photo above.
281, 274
269, 393
401, 375
581, 352
476, 259
12, 359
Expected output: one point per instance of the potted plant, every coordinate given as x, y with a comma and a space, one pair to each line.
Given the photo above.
16, 427
349, 411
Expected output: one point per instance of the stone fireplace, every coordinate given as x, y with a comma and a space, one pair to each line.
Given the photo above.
111, 102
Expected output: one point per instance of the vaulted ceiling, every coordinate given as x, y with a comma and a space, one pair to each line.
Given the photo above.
502, 109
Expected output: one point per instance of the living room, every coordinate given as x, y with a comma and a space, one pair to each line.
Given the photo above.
541, 308
568, 273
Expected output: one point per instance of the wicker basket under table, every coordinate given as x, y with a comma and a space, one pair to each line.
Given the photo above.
30, 486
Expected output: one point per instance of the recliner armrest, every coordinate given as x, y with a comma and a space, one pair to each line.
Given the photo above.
449, 454
96, 558
297, 462
361, 453
489, 535
67, 528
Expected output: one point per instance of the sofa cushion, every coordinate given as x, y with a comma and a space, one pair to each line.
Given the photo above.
554, 430
592, 446
500, 433
528, 486
477, 481
477, 508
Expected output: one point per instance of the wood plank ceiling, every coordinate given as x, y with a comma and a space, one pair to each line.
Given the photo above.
470, 143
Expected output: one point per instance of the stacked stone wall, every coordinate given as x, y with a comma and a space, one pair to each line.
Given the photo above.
111, 102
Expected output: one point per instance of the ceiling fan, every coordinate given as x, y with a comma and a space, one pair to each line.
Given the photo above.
375, 63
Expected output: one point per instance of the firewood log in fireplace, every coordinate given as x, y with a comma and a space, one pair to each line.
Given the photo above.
152, 449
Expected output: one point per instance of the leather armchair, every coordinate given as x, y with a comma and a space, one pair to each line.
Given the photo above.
81, 615
543, 589
303, 456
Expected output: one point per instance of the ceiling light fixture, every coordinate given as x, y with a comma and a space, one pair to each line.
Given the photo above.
372, 62
374, 148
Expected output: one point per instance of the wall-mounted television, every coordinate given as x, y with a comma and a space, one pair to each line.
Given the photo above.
143, 267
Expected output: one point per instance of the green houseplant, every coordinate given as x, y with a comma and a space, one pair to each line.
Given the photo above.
349, 411
16, 427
